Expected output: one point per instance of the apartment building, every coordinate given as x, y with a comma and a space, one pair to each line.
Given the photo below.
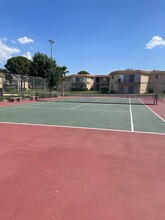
129, 81
79, 82
157, 81
2, 77
101, 82
1, 84
121, 81
86, 82
137, 81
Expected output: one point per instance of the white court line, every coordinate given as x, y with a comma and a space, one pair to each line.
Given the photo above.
19, 106
13, 107
153, 111
85, 128
97, 100
79, 106
35, 105
131, 116
83, 109
53, 108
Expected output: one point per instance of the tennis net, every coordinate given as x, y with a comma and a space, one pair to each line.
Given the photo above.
134, 99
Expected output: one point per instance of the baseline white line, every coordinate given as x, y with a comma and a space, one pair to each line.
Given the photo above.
131, 116
86, 128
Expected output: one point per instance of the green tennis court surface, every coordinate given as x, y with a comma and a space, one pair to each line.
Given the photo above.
97, 114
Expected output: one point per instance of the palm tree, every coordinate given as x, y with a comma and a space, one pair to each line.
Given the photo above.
62, 72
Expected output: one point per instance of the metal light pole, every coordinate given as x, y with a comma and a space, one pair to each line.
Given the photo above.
51, 70
51, 43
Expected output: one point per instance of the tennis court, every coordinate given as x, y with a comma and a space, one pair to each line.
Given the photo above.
126, 114
82, 158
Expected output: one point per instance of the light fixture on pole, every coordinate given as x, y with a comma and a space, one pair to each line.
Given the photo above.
51, 42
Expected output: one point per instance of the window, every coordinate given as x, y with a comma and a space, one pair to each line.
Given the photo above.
105, 79
74, 79
157, 76
84, 80
77, 80
131, 78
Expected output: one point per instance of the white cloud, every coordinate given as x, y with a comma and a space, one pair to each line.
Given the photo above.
6, 52
25, 40
27, 55
156, 41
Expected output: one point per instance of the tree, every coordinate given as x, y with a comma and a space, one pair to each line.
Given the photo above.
45, 67
83, 72
42, 65
18, 65
62, 70
52, 79
61, 73
56, 77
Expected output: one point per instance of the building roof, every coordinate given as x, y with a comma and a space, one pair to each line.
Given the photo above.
130, 71
88, 75
157, 72
118, 72
81, 75
102, 76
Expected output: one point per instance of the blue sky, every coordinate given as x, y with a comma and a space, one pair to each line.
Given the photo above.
98, 36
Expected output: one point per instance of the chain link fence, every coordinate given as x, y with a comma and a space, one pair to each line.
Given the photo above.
25, 86
19, 85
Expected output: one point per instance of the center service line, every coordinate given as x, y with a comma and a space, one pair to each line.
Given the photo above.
79, 106
131, 116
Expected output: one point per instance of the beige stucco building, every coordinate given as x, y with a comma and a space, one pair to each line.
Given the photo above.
137, 81
157, 81
79, 82
86, 82
1, 80
129, 81
121, 81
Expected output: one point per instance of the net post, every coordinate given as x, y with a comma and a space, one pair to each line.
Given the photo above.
156, 99
36, 96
